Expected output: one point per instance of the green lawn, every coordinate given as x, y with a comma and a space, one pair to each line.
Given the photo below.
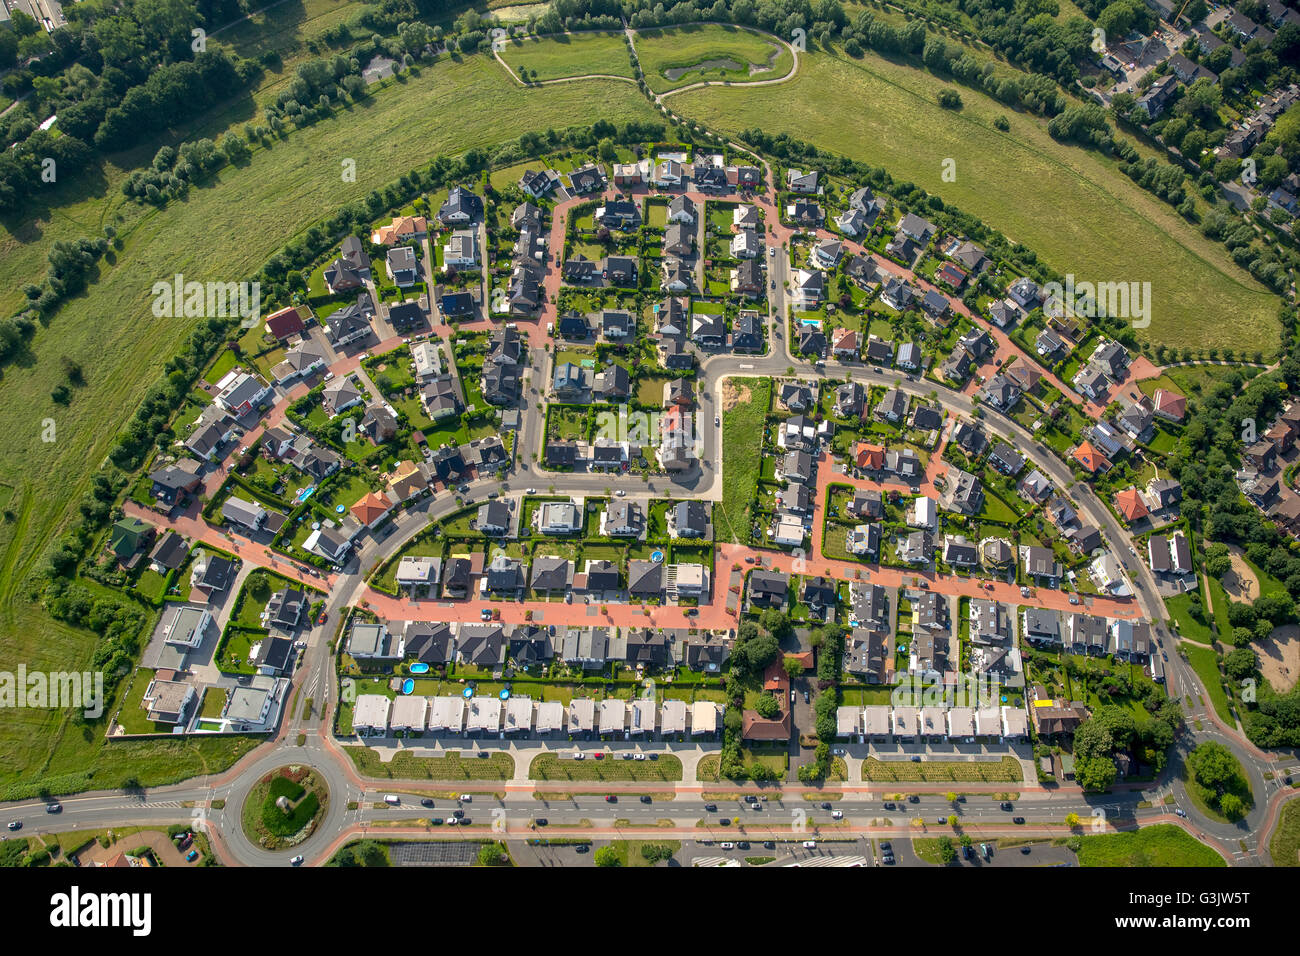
406, 766
1206, 664
677, 57
1163, 845
1179, 608
667, 769
742, 430
284, 190
1284, 848
1073, 191
570, 55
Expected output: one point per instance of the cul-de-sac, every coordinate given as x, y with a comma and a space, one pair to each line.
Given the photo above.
594, 434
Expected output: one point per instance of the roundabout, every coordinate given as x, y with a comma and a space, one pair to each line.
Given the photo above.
284, 808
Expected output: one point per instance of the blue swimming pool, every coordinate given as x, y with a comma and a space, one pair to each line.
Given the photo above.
815, 323
656, 556
408, 685
420, 668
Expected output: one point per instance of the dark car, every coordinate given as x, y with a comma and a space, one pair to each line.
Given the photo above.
888, 859
825, 805
742, 845
54, 808
941, 821
541, 821
769, 845
967, 853
750, 798
1025, 850
435, 821
724, 822
645, 798
886, 846
711, 807
465, 821
1018, 820
913, 799
1006, 805
891, 806
458, 814
806, 699
584, 848
426, 802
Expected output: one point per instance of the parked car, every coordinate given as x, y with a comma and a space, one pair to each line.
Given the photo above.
967, 853
435, 821
1018, 821
888, 859
485, 614
810, 844
726, 846
584, 848
191, 856
638, 756
987, 851
541, 821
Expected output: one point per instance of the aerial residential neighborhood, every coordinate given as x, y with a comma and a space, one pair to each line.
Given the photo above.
644, 448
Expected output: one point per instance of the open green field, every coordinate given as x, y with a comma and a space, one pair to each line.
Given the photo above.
224, 232
1073, 208
742, 437
688, 54
1160, 845
570, 54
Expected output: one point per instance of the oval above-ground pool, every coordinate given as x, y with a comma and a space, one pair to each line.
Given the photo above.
420, 668
408, 685
656, 556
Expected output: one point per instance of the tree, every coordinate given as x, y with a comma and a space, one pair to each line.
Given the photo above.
792, 667
1095, 773
492, 855
607, 856
1213, 766
1072, 820
947, 852
605, 150
1232, 806
767, 706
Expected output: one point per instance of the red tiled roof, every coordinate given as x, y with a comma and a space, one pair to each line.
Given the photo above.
1130, 504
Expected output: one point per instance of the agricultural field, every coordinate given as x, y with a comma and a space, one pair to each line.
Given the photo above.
1076, 210
556, 57
284, 188
685, 55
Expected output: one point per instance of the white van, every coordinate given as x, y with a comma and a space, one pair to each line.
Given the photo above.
393, 800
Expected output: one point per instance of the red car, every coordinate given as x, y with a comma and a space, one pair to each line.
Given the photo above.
610, 798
